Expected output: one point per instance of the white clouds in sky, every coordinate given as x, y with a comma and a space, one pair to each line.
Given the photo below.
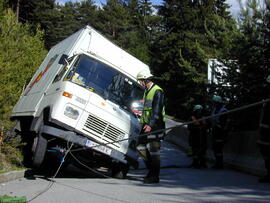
235, 7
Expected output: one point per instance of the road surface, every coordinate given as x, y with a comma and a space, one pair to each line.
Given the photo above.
178, 183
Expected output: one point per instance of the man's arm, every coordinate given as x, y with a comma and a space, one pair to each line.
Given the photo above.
157, 108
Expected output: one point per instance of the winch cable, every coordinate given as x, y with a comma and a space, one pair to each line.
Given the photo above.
52, 179
176, 126
161, 131
69, 151
92, 170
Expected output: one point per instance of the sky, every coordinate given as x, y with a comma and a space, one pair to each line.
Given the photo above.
233, 3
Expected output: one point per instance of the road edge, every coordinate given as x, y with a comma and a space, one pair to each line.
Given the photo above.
12, 175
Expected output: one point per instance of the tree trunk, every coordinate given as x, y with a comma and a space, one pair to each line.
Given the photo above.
18, 9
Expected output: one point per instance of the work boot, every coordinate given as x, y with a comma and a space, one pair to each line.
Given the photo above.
151, 179
265, 179
148, 175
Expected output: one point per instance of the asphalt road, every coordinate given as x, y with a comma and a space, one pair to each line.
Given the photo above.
178, 183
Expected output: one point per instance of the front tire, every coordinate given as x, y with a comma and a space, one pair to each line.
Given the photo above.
39, 149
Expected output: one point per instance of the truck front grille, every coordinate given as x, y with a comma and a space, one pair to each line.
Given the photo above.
103, 130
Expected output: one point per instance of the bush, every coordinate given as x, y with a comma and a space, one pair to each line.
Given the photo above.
21, 52
10, 154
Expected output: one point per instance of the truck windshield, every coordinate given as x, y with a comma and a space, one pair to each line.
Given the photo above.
105, 81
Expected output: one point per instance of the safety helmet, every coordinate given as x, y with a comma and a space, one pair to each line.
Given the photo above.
268, 79
218, 99
144, 74
197, 107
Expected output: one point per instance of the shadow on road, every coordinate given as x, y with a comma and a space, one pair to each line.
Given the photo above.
48, 171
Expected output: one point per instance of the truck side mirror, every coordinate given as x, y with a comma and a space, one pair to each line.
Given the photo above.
63, 59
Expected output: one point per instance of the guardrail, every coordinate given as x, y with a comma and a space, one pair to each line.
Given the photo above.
241, 151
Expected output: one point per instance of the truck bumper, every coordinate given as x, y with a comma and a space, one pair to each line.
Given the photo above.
86, 143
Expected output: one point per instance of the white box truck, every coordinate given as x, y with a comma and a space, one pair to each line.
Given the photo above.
81, 94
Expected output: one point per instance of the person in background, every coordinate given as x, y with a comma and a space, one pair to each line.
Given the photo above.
219, 130
264, 138
198, 137
152, 119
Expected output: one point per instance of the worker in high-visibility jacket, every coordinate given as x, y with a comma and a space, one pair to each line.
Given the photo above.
264, 138
152, 119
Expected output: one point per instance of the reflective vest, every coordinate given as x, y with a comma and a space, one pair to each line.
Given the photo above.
147, 108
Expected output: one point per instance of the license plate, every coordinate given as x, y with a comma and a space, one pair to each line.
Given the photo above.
98, 147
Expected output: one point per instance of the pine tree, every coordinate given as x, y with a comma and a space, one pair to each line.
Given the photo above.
186, 46
3, 6
114, 19
249, 65
21, 52
252, 53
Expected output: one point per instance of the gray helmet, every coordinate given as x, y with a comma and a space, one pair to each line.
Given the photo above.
268, 79
217, 99
197, 107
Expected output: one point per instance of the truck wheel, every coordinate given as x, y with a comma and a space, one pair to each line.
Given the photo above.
120, 171
27, 140
39, 150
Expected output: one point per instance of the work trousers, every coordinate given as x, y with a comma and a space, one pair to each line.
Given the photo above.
199, 145
264, 138
150, 153
218, 139
265, 151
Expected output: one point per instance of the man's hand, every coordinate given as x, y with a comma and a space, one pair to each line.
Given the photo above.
147, 128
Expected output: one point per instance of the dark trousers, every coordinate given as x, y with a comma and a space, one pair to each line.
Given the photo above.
265, 151
199, 146
218, 139
150, 153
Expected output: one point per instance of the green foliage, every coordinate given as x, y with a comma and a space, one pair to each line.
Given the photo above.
20, 54
194, 32
249, 66
64, 20
177, 42
253, 53
57, 21
3, 5
113, 19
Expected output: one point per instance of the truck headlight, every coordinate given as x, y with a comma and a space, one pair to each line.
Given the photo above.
71, 112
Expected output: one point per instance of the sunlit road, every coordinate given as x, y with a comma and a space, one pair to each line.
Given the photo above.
178, 184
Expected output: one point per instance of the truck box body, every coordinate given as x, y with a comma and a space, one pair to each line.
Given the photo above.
82, 91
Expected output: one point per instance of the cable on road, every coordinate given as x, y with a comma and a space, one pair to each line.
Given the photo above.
162, 131
52, 179
92, 170
69, 151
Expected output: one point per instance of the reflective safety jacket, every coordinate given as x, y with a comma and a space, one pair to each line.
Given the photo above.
154, 110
